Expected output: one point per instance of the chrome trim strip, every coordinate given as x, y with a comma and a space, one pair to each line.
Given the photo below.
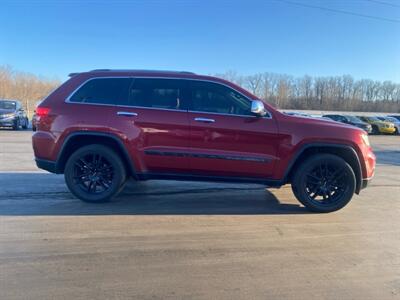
230, 115
67, 100
127, 114
204, 120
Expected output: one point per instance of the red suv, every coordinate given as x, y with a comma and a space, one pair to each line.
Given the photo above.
103, 126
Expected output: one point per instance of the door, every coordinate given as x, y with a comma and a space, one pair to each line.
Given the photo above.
156, 121
147, 114
226, 139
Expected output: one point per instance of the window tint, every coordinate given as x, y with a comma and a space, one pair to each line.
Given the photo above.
157, 93
341, 119
104, 91
8, 105
217, 98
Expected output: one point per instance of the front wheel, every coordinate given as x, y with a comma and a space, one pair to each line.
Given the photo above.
26, 124
375, 130
324, 183
95, 173
16, 124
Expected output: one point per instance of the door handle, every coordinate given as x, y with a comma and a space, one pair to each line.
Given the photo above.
127, 114
204, 120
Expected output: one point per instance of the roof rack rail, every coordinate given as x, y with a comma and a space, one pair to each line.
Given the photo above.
139, 70
100, 70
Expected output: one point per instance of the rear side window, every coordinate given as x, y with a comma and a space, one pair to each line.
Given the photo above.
217, 98
157, 93
104, 91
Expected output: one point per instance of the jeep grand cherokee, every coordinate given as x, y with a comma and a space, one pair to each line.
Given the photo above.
103, 126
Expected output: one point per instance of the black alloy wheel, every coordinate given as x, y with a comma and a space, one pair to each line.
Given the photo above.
95, 173
324, 183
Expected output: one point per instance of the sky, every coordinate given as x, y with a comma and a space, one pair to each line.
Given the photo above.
295, 37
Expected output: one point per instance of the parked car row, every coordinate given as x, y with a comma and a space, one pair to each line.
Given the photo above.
371, 124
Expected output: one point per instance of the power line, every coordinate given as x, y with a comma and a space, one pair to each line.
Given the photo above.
384, 3
341, 11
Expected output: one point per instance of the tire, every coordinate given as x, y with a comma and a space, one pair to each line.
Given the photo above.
324, 183
95, 173
16, 124
375, 130
25, 126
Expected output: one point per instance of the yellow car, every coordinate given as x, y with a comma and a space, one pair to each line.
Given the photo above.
379, 126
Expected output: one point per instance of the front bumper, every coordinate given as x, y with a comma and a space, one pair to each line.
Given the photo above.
7, 122
387, 130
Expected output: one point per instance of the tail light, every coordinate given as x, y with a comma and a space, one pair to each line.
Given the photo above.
42, 111
42, 118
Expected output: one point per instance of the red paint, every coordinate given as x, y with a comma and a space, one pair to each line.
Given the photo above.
275, 140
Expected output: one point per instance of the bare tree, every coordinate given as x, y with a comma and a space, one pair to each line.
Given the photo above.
334, 92
26, 87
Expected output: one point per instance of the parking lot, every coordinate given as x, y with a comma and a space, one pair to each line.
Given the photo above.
187, 240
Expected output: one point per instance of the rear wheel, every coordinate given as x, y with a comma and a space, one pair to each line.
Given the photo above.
95, 173
324, 183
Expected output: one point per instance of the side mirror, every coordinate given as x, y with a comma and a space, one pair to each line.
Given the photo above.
257, 107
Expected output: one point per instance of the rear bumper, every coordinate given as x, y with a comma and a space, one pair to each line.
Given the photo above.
365, 182
47, 165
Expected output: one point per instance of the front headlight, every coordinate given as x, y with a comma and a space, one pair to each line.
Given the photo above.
365, 139
10, 115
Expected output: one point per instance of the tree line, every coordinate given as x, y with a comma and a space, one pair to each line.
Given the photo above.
284, 91
341, 93
23, 86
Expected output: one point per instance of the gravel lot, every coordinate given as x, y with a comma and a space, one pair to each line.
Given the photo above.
174, 240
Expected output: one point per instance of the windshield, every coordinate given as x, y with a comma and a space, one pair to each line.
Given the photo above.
353, 119
391, 119
7, 105
374, 119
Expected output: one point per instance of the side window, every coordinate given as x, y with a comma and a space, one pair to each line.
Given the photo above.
103, 91
341, 119
217, 98
157, 93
